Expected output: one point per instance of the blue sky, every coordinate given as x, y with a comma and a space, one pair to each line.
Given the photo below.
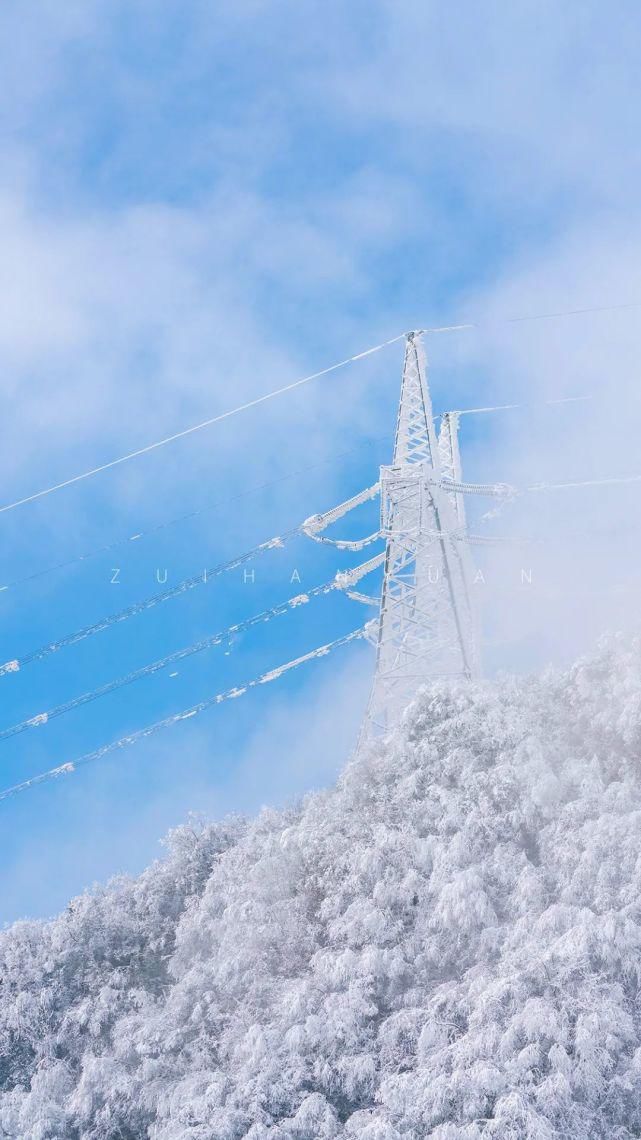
197, 205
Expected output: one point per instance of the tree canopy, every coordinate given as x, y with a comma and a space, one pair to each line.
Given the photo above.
447, 944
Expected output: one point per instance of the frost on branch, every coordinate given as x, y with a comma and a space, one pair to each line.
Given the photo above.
446, 945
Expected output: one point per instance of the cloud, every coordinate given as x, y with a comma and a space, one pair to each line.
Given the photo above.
195, 209
546, 95
587, 540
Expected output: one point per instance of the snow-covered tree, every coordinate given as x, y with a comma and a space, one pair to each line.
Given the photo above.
447, 944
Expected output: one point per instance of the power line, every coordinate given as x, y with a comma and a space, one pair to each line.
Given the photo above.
158, 527
186, 714
339, 582
573, 312
289, 388
509, 492
532, 317
608, 482
182, 587
266, 615
511, 407
106, 548
501, 490
197, 427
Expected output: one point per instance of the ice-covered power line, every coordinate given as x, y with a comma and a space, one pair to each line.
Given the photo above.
422, 632
197, 427
147, 532
508, 491
489, 321
136, 608
186, 714
182, 587
607, 482
513, 407
573, 312
341, 581
317, 523
231, 412
310, 527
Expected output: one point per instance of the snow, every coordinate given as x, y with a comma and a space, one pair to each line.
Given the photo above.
447, 944
41, 718
299, 600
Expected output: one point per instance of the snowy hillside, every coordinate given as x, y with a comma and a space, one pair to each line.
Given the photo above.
446, 945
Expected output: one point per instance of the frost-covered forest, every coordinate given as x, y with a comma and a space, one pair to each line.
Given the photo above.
446, 945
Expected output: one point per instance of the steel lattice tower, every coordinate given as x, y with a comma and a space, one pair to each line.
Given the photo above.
426, 626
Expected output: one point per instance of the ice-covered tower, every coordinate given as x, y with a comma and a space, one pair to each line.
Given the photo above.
426, 626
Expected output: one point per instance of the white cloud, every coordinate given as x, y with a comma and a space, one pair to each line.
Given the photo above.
484, 164
543, 94
591, 538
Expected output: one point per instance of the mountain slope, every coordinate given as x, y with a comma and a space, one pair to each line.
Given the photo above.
445, 945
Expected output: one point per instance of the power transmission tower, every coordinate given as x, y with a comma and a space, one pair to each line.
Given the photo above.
450, 460
426, 626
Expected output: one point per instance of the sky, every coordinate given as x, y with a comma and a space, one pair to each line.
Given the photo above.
200, 204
